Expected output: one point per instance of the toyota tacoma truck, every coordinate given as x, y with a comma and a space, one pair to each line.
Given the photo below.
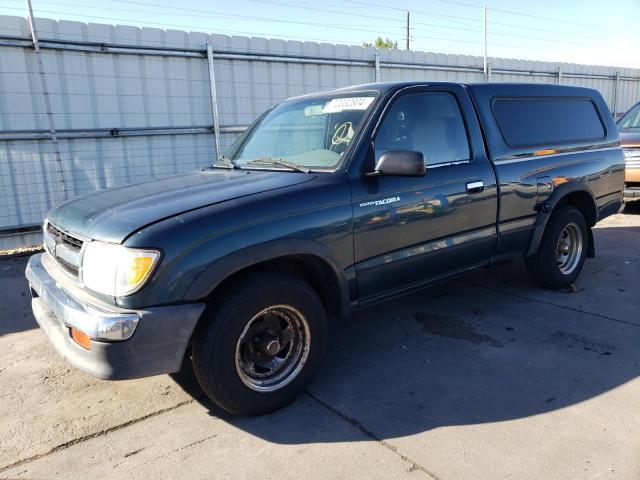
325, 204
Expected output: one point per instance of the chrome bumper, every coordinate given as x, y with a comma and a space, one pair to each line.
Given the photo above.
97, 323
124, 344
632, 192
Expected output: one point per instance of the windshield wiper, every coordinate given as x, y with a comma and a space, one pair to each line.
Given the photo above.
225, 162
279, 162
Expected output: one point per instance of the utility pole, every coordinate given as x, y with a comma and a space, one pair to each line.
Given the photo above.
484, 18
408, 30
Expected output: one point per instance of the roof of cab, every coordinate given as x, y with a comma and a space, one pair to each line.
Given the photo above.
480, 89
380, 87
386, 86
495, 87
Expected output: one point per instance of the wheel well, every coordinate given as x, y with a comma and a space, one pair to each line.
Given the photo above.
579, 199
312, 269
584, 203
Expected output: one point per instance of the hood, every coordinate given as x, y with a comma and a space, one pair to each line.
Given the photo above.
630, 138
113, 214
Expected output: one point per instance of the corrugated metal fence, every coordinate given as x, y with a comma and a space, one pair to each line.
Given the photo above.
100, 105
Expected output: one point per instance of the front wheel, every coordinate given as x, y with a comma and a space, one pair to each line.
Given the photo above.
562, 251
261, 345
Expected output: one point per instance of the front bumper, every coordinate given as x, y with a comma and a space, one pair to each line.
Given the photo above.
632, 177
156, 338
631, 191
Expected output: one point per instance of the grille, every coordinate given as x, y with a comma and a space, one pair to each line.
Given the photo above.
64, 247
67, 267
63, 237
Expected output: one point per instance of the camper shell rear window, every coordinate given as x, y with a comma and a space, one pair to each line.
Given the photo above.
547, 121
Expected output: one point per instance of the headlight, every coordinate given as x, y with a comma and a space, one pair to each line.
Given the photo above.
116, 270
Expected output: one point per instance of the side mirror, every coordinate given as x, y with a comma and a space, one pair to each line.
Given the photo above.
402, 163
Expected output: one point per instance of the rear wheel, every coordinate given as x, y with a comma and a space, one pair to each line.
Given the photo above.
261, 344
562, 251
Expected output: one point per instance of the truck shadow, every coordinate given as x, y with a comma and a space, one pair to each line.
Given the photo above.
15, 298
632, 207
486, 348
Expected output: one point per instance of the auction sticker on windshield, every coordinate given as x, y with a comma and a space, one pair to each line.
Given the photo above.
348, 103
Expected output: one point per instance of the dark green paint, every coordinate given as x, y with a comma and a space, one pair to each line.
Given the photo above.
212, 223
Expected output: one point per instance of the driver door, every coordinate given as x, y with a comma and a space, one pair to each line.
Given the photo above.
409, 231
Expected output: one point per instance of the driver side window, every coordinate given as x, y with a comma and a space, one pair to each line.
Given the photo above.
430, 123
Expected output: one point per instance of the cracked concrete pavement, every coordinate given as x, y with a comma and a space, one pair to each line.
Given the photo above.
482, 377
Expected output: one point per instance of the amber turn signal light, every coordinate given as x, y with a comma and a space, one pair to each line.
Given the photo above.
560, 180
546, 151
81, 338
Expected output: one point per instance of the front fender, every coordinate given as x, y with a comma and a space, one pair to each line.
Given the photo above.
220, 269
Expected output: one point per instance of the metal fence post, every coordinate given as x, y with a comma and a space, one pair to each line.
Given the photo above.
377, 66
214, 99
485, 62
559, 75
487, 78
47, 102
616, 85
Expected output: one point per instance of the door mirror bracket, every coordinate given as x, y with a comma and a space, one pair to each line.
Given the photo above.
401, 163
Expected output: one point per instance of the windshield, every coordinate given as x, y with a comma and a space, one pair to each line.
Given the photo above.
310, 133
631, 119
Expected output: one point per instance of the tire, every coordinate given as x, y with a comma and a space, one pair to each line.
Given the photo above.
548, 267
231, 352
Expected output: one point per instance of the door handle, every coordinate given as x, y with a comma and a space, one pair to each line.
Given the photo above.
475, 187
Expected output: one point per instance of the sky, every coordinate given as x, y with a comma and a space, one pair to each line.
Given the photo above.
593, 32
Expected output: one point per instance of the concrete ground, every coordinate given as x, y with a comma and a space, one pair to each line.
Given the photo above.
486, 377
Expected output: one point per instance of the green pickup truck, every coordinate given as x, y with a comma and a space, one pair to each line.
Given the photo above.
327, 203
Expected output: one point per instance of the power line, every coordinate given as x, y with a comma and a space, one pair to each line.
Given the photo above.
325, 25
451, 18
218, 13
237, 31
324, 10
504, 11
386, 19
234, 31
198, 28
291, 21
463, 4
183, 26
321, 25
353, 27
591, 45
528, 27
559, 20
245, 17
